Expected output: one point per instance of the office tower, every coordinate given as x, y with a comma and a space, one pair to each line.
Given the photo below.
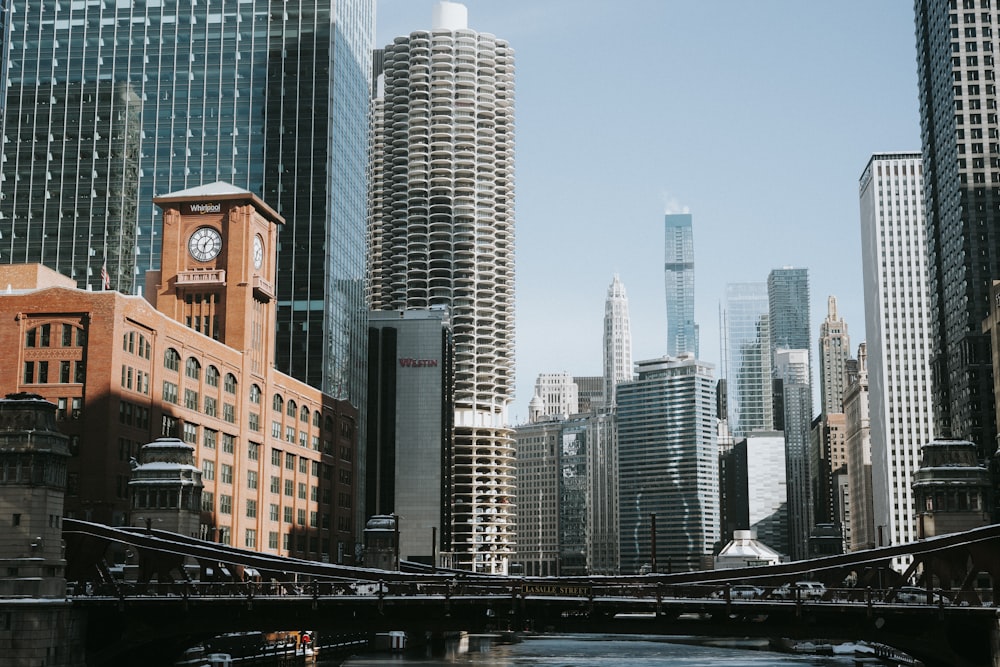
678, 269
834, 351
442, 234
410, 356
746, 351
559, 394
668, 466
858, 443
898, 322
791, 369
132, 100
788, 307
958, 119
590, 392
755, 488
617, 341
537, 472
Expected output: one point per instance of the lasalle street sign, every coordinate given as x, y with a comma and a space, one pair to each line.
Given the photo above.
406, 362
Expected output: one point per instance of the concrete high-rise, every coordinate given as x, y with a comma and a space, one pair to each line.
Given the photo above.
961, 176
899, 320
858, 444
678, 270
668, 466
617, 341
110, 104
791, 370
559, 394
746, 352
442, 234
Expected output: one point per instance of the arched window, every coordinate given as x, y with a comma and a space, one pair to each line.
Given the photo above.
212, 376
230, 385
316, 418
292, 408
277, 403
192, 368
304, 414
255, 394
171, 359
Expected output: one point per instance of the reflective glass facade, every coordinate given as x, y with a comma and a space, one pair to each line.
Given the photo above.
668, 466
111, 102
747, 354
678, 270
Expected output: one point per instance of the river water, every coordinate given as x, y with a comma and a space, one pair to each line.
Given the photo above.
611, 651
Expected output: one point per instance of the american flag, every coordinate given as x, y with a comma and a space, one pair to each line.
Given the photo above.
105, 278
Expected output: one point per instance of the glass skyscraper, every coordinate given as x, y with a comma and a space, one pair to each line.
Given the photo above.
668, 466
111, 103
678, 270
956, 44
746, 352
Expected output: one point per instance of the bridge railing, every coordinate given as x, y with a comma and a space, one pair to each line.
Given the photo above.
458, 587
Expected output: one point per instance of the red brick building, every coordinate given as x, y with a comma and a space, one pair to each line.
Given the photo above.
194, 362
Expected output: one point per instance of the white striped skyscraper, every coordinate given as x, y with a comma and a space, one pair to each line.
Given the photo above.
617, 340
899, 346
442, 235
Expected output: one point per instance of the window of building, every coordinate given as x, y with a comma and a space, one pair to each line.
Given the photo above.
304, 414
228, 443
251, 508
253, 422
168, 427
207, 501
208, 470
225, 504
226, 473
171, 359
251, 479
272, 512
169, 392
289, 488
253, 451
192, 368
209, 437
211, 407
255, 394
272, 540
190, 399
275, 457
275, 484
290, 461
212, 376
229, 412
287, 511
291, 408
230, 384
277, 402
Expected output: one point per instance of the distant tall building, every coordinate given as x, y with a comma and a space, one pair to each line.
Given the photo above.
678, 269
590, 392
125, 101
668, 465
617, 341
559, 394
788, 307
858, 442
898, 321
537, 497
791, 369
747, 356
834, 351
958, 119
443, 234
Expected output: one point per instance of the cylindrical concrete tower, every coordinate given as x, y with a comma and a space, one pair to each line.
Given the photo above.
442, 233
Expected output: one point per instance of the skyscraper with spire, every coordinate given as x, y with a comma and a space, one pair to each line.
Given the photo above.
442, 235
678, 270
834, 351
617, 341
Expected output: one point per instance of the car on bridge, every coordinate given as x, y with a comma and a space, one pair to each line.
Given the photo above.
807, 590
740, 592
917, 595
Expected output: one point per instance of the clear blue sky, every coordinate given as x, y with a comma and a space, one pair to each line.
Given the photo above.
758, 117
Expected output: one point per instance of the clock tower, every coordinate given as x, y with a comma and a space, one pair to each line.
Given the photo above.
217, 267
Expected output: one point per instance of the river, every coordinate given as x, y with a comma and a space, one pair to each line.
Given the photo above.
611, 651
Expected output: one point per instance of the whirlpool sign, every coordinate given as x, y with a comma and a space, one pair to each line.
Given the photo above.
205, 208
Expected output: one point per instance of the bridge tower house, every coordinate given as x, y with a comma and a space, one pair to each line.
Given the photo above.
166, 488
37, 626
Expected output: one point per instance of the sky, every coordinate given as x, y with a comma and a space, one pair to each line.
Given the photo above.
757, 118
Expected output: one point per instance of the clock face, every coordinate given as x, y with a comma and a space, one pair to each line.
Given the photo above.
205, 244
258, 252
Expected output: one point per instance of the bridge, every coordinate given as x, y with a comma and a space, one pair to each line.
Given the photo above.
185, 590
